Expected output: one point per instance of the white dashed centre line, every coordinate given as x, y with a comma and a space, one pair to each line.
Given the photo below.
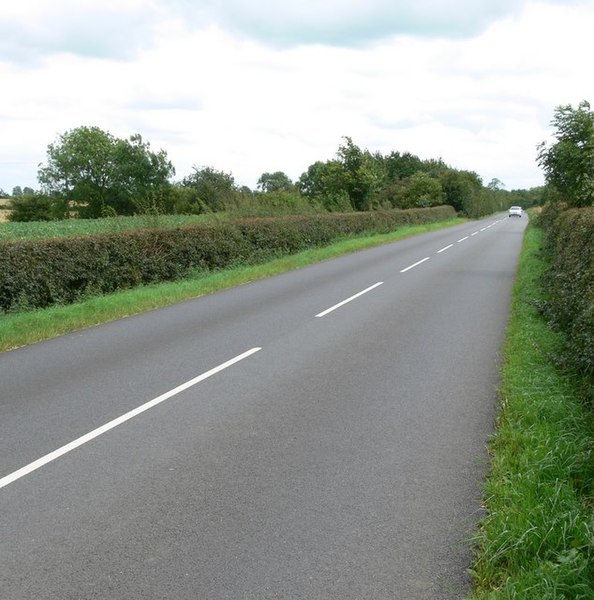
332, 308
415, 265
44, 460
444, 249
464, 238
475, 233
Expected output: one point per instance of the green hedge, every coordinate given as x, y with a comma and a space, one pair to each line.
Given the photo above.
570, 282
40, 273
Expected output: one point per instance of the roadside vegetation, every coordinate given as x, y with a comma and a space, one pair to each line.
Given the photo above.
90, 174
537, 538
27, 327
109, 216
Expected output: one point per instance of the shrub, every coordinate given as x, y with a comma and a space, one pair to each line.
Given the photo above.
570, 283
39, 273
31, 207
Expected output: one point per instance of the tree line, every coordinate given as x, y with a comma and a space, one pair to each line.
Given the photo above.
89, 173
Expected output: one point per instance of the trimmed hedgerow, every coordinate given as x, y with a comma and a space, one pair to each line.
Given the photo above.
570, 283
41, 273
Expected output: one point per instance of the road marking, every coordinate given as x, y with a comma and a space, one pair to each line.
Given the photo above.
44, 460
415, 265
329, 310
483, 229
444, 249
464, 238
473, 233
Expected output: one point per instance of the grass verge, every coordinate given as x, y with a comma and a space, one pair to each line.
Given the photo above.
20, 329
537, 539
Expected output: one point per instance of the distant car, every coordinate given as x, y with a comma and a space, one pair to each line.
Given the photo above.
515, 211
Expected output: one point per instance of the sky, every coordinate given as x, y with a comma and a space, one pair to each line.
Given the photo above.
254, 86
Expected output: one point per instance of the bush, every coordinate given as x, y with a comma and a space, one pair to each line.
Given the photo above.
570, 282
39, 273
31, 207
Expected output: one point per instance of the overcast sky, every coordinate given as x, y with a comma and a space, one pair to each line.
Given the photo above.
250, 86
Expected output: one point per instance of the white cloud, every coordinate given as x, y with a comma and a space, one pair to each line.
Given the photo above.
347, 22
33, 30
209, 96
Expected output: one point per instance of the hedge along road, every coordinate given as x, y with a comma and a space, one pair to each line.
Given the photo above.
318, 434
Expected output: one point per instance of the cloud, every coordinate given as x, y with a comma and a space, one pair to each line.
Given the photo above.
33, 30
210, 96
347, 23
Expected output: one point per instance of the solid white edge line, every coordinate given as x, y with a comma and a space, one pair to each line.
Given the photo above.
444, 249
415, 265
44, 460
329, 310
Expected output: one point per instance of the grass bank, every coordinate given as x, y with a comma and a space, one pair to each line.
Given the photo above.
537, 539
20, 329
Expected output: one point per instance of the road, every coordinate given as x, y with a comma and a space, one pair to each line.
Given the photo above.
315, 435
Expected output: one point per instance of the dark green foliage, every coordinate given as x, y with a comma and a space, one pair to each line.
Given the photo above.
211, 188
30, 207
275, 182
92, 170
37, 274
569, 162
570, 282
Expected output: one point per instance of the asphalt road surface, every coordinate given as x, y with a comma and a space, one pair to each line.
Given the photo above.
316, 435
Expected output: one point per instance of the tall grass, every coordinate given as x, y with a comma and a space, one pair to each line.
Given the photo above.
537, 540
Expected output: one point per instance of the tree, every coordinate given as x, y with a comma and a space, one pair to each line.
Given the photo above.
461, 188
30, 207
275, 182
94, 171
495, 185
214, 189
323, 183
398, 166
17, 191
359, 174
569, 163
420, 190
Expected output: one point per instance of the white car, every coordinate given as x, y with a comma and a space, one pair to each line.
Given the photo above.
515, 211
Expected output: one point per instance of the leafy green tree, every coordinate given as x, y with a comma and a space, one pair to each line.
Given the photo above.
568, 164
360, 175
495, 185
460, 188
214, 189
140, 177
399, 166
323, 184
17, 191
98, 173
275, 182
419, 191
345, 183
30, 207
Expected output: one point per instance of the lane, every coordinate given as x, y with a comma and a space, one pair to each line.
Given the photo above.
343, 460
118, 366
88, 437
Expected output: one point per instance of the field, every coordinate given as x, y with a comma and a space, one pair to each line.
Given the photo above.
3, 210
81, 227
